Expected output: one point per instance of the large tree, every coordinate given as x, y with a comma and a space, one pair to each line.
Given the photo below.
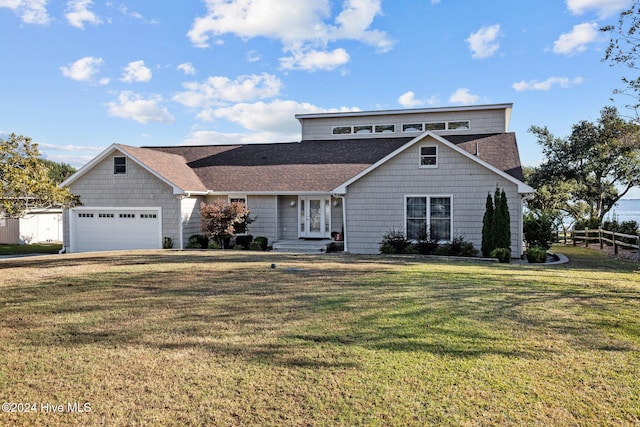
624, 49
24, 179
585, 174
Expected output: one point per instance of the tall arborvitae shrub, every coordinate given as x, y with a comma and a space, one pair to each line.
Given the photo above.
487, 227
496, 223
502, 221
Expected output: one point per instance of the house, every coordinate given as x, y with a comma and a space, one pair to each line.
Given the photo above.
36, 226
364, 173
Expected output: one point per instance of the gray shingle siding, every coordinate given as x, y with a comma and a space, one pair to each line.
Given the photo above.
138, 188
375, 203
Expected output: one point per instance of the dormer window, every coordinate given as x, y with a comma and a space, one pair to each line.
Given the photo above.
119, 165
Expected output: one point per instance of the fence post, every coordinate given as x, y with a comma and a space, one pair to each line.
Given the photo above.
586, 237
600, 237
615, 246
573, 237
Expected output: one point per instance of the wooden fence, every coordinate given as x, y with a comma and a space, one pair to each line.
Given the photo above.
601, 237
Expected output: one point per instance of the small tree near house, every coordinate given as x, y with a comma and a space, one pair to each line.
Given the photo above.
496, 223
220, 219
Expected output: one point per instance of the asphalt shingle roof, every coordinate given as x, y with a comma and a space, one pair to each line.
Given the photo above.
307, 166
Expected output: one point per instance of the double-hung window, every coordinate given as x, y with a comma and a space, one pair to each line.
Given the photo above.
429, 216
429, 156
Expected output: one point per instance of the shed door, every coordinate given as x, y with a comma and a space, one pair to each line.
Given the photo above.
102, 229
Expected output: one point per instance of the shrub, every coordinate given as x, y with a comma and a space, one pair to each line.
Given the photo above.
394, 242
536, 254
538, 228
503, 254
262, 242
167, 243
426, 245
457, 247
243, 242
214, 245
198, 241
590, 223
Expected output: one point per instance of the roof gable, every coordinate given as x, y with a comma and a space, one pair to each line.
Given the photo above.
515, 167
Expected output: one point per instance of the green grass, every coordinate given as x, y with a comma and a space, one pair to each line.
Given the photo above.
36, 248
220, 338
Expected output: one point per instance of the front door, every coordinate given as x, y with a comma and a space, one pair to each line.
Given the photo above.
315, 217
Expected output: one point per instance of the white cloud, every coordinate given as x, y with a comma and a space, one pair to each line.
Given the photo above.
315, 60
30, 11
267, 122
463, 96
605, 8
218, 90
563, 82
483, 42
187, 68
577, 40
78, 13
135, 107
84, 69
136, 72
300, 26
408, 99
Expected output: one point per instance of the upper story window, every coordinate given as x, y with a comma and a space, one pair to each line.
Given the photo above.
435, 126
385, 128
429, 156
119, 165
362, 129
461, 125
412, 127
341, 130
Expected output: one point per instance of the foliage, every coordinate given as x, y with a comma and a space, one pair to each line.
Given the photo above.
496, 223
625, 227
244, 241
167, 243
394, 242
536, 255
503, 254
426, 245
34, 248
585, 174
260, 243
220, 219
457, 247
198, 241
25, 181
501, 221
538, 227
487, 235
58, 172
624, 49
590, 223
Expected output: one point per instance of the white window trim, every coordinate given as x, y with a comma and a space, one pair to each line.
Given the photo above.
459, 121
429, 197
126, 169
446, 124
333, 128
420, 157
378, 125
412, 131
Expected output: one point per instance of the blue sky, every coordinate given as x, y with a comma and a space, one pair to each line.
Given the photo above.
79, 75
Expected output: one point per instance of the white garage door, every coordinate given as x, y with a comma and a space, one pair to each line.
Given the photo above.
107, 229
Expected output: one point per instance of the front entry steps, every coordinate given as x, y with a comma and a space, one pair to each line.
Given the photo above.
307, 246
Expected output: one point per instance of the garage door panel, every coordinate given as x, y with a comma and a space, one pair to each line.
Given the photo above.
102, 229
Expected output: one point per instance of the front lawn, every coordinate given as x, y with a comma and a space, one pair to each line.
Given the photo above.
221, 338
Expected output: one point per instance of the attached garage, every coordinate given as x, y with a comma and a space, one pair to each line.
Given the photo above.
107, 229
